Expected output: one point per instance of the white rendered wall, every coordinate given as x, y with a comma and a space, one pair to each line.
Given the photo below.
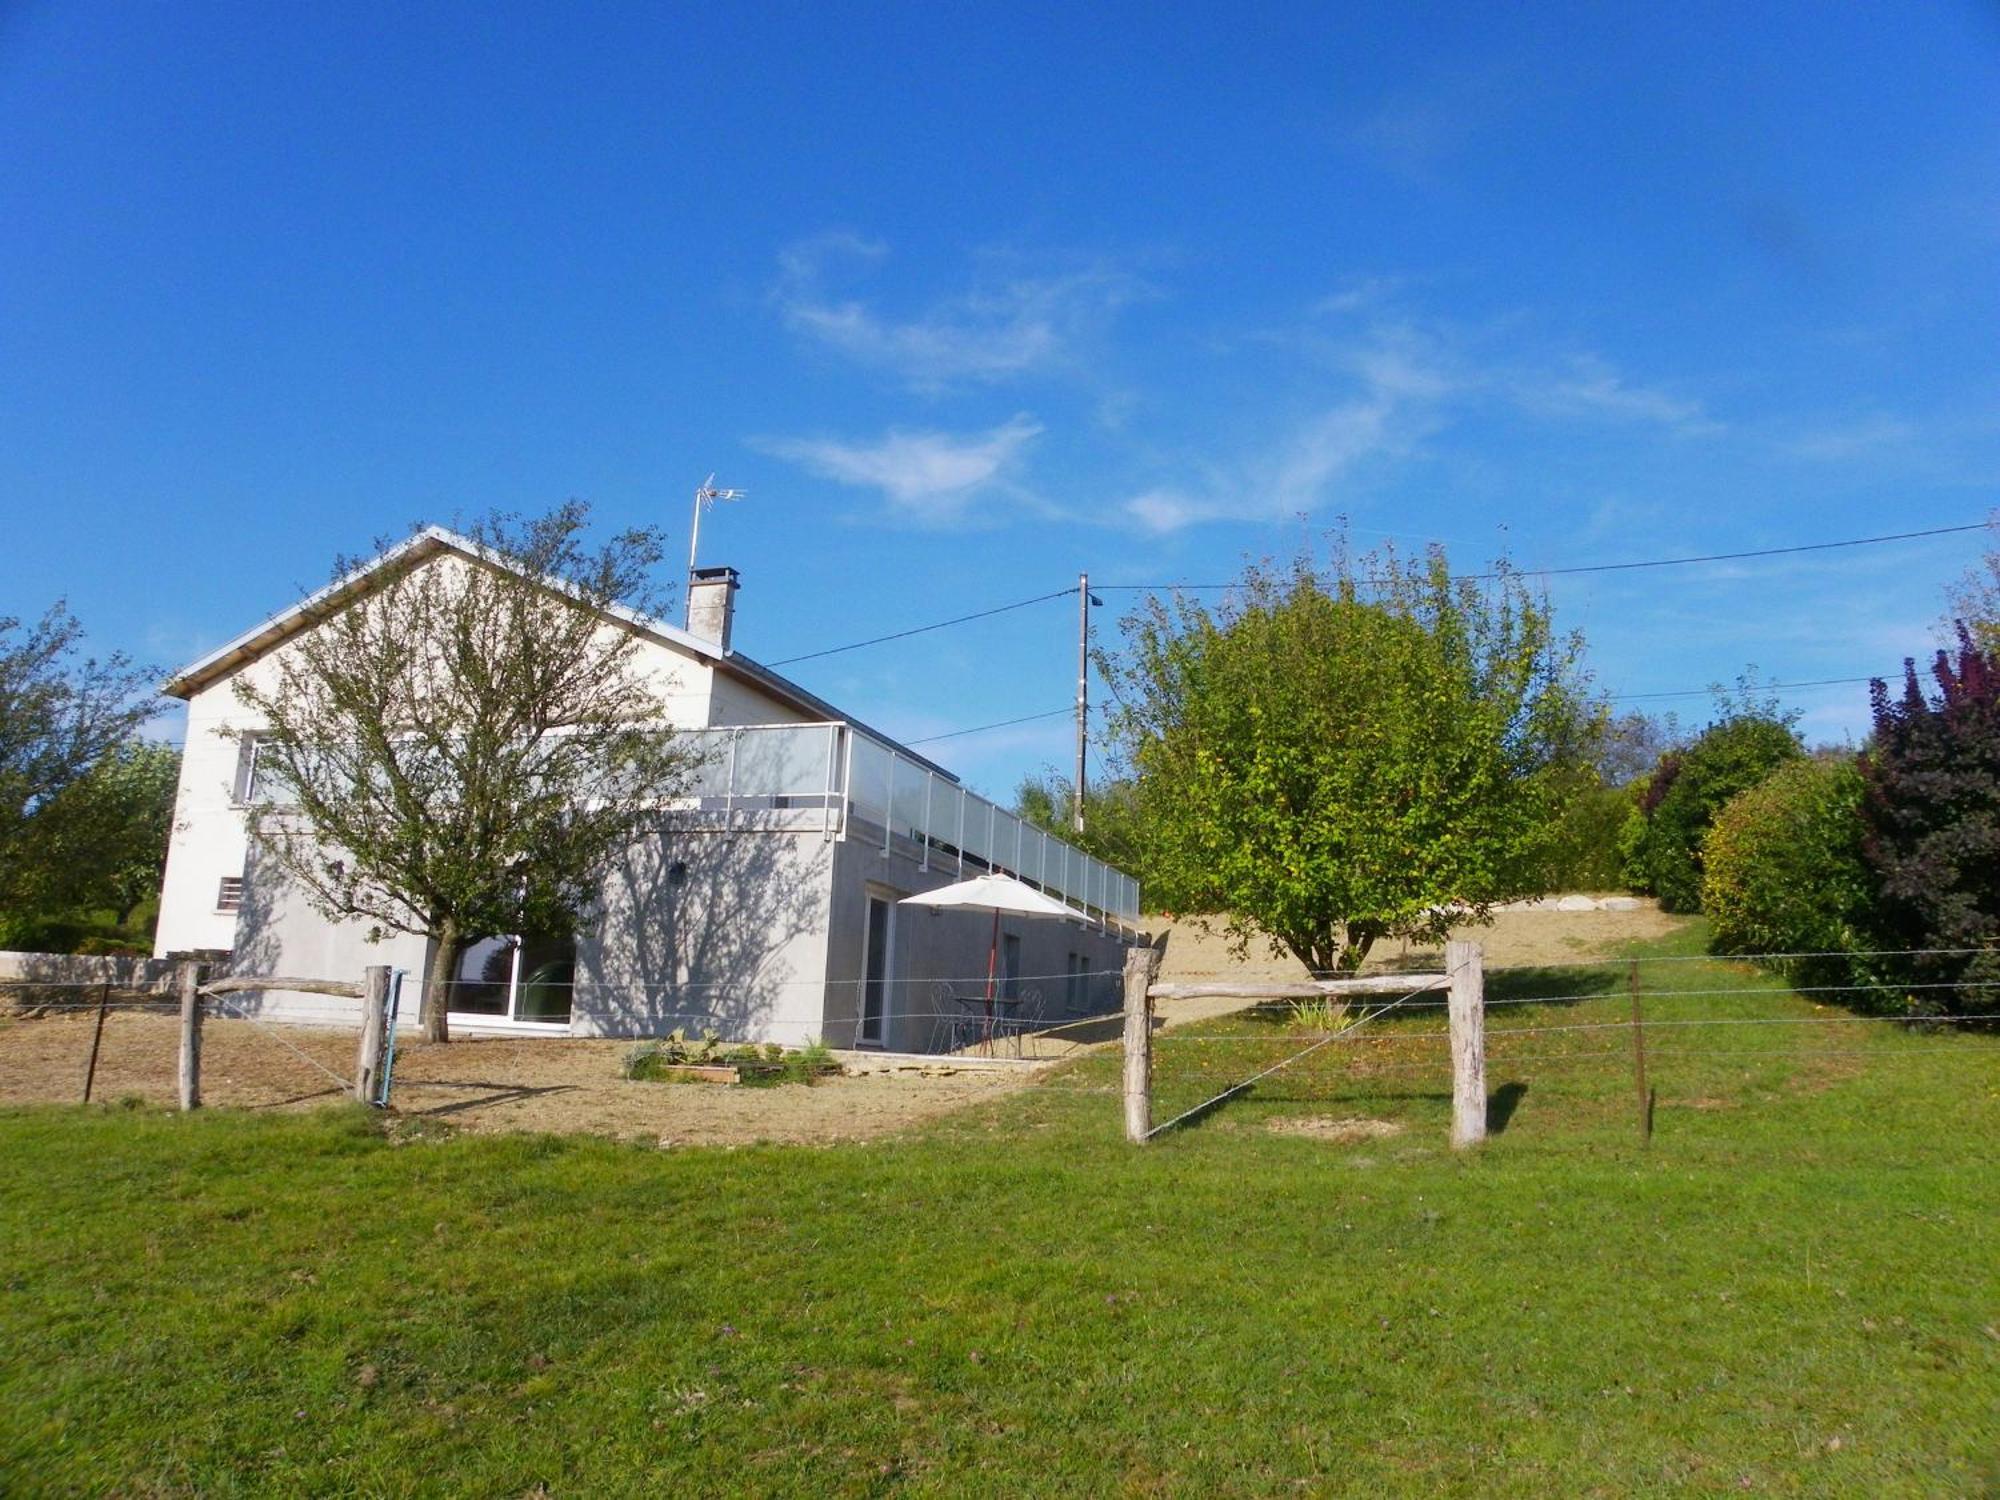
209, 841
710, 930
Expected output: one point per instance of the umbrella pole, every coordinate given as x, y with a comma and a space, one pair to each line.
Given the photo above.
992, 960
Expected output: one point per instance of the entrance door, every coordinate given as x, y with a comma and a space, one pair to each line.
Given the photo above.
877, 969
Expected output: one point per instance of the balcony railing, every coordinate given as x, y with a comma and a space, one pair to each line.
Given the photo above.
862, 787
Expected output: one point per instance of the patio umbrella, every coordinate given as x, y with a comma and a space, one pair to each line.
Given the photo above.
996, 893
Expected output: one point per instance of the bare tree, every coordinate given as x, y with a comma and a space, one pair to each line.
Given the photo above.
462, 750
1974, 597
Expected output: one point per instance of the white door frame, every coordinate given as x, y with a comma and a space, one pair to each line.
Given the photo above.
472, 1020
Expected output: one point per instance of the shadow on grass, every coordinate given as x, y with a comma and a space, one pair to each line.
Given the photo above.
499, 1093
1501, 1104
1552, 986
305, 1098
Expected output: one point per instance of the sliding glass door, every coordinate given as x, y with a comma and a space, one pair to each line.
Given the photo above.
528, 978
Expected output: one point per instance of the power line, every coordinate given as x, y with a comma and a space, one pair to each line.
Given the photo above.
931, 739
1618, 567
897, 635
1623, 567
1755, 687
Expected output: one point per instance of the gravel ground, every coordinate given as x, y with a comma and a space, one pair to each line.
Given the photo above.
485, 1084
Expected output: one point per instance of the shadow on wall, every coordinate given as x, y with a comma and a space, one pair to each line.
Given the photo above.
719, 931
274, 920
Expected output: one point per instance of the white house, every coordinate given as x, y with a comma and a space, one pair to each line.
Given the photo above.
765, 908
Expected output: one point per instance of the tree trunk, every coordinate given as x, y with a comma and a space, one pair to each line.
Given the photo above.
437, 985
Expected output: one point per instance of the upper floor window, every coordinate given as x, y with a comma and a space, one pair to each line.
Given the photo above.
247, 748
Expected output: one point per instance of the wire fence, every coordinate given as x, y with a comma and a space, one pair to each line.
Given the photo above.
1264, 1049
1272, 1049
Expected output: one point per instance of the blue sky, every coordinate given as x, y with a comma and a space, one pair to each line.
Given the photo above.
971, 300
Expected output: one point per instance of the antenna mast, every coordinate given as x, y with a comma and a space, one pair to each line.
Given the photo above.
705, 495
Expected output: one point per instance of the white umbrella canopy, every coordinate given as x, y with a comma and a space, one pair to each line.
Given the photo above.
994, 893
998, 894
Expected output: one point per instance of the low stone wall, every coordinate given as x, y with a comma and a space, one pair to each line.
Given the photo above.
1576, 903
85, 969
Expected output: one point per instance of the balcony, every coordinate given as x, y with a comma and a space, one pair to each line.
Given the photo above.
848, 784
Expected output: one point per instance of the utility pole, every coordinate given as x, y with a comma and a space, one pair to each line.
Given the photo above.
1082, 694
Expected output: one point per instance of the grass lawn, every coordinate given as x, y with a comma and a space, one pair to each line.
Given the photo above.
1796, 1289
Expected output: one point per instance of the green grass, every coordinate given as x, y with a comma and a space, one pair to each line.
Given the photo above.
1793, 1290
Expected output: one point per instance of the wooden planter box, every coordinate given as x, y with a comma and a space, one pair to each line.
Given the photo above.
752, 1072
699, 1073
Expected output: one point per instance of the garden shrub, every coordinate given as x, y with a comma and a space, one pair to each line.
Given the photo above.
1783, 870
667, 1058
1584, 849
1932, 814
1687, 790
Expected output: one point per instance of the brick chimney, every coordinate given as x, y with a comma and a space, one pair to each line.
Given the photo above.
712, 604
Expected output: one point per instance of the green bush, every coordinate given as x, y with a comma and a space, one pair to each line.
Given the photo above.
69, 934
1664, 850
1584, 850
112, 946
1783, 871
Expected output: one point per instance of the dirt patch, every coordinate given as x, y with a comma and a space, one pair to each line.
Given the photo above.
1196, 950
486, 1084
1341, 1132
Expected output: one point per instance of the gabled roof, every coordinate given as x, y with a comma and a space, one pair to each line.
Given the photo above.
432, 540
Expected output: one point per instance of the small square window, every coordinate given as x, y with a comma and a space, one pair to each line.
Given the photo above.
229, 895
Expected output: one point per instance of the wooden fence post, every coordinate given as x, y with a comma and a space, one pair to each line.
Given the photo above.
190, 1079
1639, 1057
374, 1025
1464, 963
1141, 964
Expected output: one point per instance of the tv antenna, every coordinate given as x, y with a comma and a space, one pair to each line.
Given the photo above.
705, 496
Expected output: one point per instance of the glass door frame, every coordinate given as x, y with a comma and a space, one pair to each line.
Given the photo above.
879, 1036
510, 1019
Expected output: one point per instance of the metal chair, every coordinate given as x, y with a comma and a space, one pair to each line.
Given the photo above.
1024, 1017
950, 1020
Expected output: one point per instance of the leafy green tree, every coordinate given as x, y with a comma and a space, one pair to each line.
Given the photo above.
462, 751
106, 833
1932, 809
1663, 838
1110, 817
1782, 870
1583, 849
1335, 757
61, 712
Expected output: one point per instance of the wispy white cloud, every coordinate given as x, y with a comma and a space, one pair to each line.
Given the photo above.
1411, 135
1587, 385
1009, 324
1416, 131
1397, 382
927, 478
1842, 442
